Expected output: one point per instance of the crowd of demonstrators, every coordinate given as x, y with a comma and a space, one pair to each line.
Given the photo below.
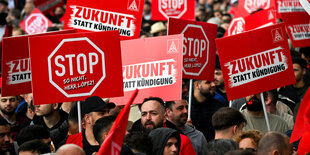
214, 128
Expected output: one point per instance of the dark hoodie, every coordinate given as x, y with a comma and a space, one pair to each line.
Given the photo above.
160, 136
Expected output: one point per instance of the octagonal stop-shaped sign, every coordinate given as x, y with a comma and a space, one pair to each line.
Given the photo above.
195, 50
79, 71
36, 22
253, 5
198, 47
172, 8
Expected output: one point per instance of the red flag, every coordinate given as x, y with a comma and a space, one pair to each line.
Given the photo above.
302, 124
113, 143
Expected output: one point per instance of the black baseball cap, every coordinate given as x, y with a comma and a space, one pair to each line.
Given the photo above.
95, 104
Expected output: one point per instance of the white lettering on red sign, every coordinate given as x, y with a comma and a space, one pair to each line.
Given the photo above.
19, 71
149, 74
197, 46
300, 31
83, 63
172, 4
253, 5
101, 20
257, 66
76, 73
172, 8
36, 23
289, 6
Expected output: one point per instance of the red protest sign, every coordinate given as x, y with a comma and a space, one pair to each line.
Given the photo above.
157, 72
198, 49
298, 28
246, 7
286, 6
36, 22
75, 66
181, 9
257, 20
16, 64
260, 19
255, 61
48, 5
105, 15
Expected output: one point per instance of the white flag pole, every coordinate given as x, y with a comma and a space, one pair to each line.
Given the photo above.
265, 111
79, 115
190, 98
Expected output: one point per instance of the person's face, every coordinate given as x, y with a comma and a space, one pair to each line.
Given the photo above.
254, 103
247, 144
218, 15
44, 109
6, 141
171, 147
97, 115
218, 78
152, 115
27, 153
59, 11
28, 97
307, 59
146, 9
299, 72
48, 141
8, 104
184, 89
207, 88
179, 112
28, 8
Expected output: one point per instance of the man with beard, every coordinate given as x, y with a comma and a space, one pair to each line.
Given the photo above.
177, 112
254, 115
153, 116
6, 142
49, 116
220, 91
204, 106
8, 106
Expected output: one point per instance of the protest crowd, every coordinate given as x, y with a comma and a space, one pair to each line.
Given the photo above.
211, 125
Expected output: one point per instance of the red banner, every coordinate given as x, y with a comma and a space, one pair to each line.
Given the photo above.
257, 20
16, 64
154, 66
105, 15
302, 124
113, 143
75, 66
255, 61
48, 5
198, 47
298, 27
181, 9
36, 22
247, 7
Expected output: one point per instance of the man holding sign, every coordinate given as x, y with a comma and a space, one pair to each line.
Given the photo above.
254, 115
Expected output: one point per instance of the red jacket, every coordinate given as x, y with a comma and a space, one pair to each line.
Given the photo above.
75, 139
186, 146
